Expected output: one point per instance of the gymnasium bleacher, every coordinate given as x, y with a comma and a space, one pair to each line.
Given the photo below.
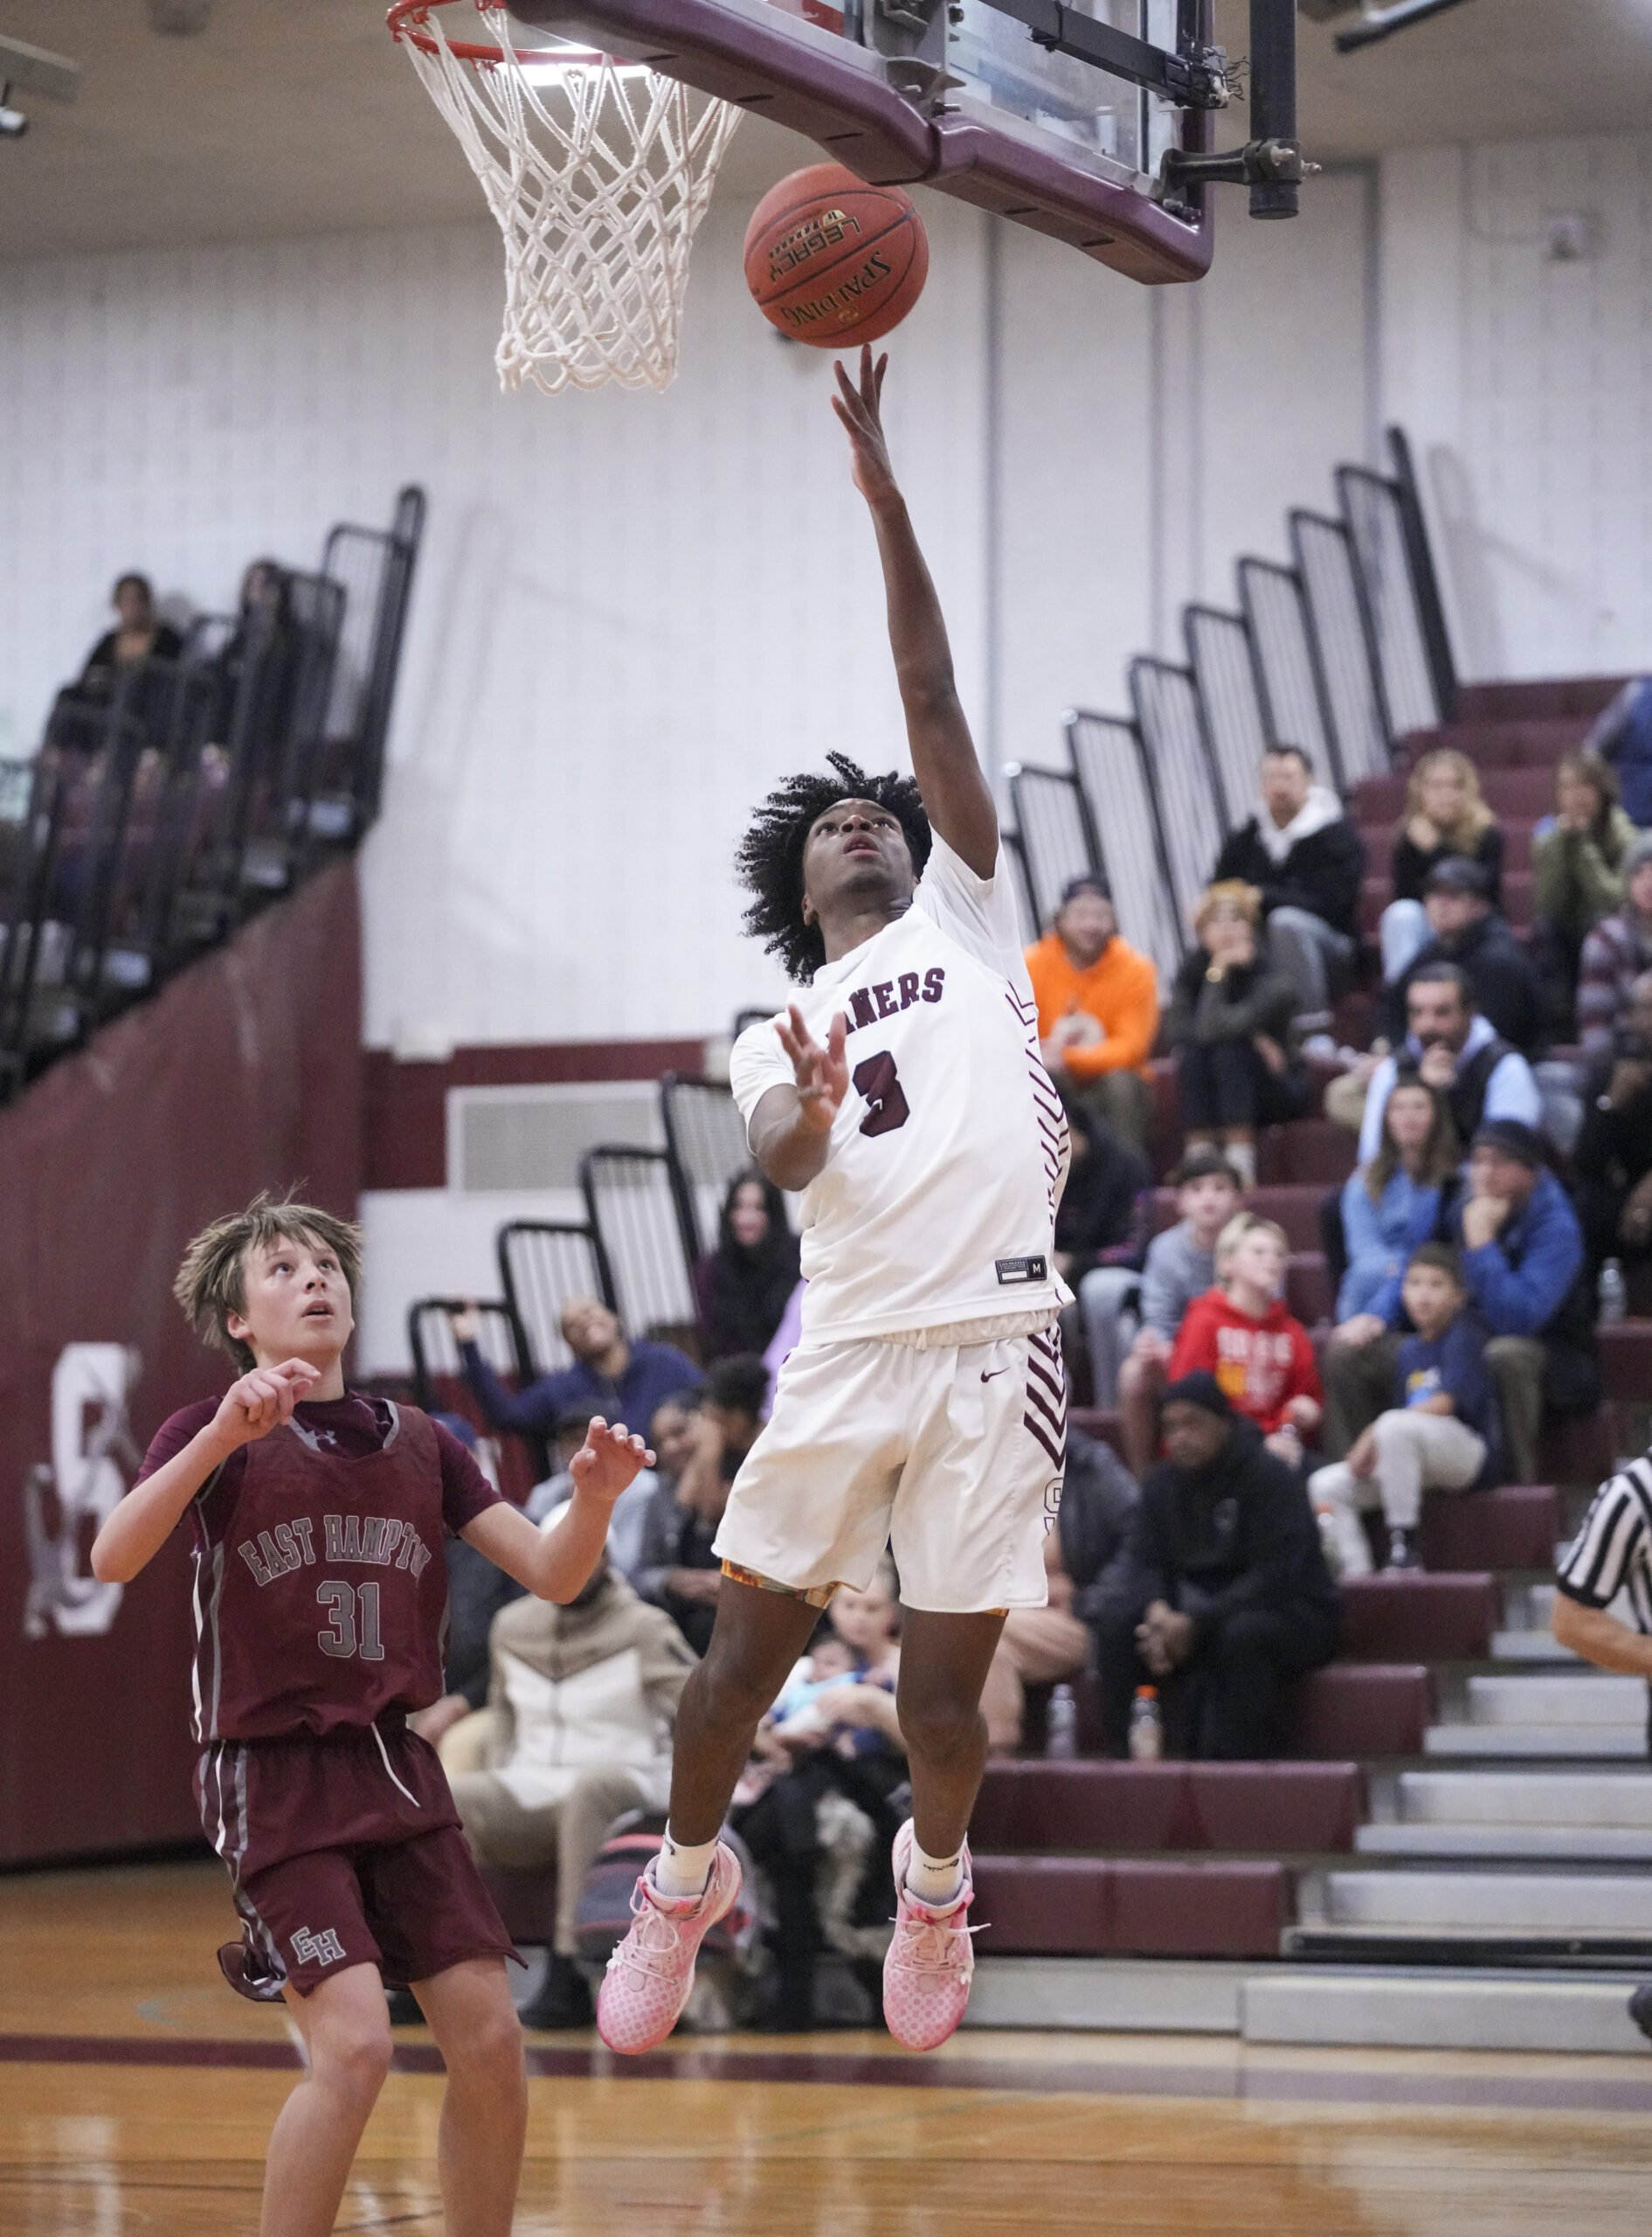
151, 826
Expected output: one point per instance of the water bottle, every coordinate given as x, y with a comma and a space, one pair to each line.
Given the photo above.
1330, 1540
1613, 1299
1063, 1725
1146, 1727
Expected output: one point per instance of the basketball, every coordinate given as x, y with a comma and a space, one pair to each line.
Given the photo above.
830, 259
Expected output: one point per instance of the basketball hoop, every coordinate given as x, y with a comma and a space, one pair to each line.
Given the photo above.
598, 171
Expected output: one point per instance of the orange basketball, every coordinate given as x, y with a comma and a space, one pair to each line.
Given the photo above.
830, 259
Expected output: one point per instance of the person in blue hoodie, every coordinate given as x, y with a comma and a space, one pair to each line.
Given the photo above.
1523, 1266
1440, 1433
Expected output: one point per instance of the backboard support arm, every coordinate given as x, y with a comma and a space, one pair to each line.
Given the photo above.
1270, 163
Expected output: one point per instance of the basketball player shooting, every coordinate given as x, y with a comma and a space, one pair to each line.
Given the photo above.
924, 1406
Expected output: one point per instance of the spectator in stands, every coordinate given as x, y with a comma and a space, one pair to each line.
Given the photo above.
476, 1592
581, 1703
1622, 735
1230, 1025
611, 1375
1308, 862
625, 1522
1242, 1331
1101, 1222
676, 1568
1577, 864
1097, 1009
1466, 929
1446, 818
1438, 1433
1225, 1591
1523, 1262
816, 1808
1615, 953
1180, 1266
1395, 1203
1613, 1159
741, 1286
140, 635
1083, 1559
1455, 1051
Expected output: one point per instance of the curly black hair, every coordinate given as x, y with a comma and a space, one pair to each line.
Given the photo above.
769, 859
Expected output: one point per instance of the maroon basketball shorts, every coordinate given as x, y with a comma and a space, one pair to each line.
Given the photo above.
342, 1851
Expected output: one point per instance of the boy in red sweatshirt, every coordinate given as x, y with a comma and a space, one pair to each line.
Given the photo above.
1242, 1333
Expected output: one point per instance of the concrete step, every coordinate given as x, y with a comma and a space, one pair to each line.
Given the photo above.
1595, 1700
1515, 1844
1398, 2007
1494, 1742
1592, 1799
1485, 1903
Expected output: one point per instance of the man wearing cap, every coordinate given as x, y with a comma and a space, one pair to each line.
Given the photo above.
1468, 932
1097, 1009
1225, 1592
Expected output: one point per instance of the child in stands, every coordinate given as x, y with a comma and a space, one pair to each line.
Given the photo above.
1442, 1434
1243, 1333
1180, 1266
316, 1519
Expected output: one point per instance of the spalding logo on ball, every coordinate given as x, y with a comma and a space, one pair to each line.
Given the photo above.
830, 259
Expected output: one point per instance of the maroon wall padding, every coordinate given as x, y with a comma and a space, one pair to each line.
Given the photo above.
1543, 698
1625, 1360
1083, 1907
1043, 1805
1512, 1527
1306, 1150
1405, 1615
1357, 1708
244, 1073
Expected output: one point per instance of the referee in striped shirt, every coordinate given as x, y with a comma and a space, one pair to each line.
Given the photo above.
1613, 1553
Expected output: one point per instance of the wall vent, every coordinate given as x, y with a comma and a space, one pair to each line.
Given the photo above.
503, 1138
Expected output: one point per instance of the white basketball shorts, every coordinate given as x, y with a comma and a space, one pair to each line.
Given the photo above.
951, 1457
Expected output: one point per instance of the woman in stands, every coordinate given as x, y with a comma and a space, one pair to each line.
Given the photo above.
1229, 1024
742, 1286
1445, 815
1577, 864
1397, 1201
140, 635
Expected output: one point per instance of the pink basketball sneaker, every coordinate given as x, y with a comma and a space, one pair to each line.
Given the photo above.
930, 1965
650, 1976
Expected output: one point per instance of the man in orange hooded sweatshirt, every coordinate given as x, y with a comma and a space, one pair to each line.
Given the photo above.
1097, 1009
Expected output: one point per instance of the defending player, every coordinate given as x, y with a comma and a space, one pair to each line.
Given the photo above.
320, 1597
925, 1403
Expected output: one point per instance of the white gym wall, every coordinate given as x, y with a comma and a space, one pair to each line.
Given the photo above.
634, 612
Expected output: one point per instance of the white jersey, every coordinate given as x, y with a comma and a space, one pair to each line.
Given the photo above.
936, 1206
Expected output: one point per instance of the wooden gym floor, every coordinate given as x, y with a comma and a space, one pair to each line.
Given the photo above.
136, 2092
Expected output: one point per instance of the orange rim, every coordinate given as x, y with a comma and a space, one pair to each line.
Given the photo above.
406, 15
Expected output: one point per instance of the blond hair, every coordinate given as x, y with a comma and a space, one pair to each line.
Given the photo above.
211, 1282
1228, 892
1464, 835
1240, 1225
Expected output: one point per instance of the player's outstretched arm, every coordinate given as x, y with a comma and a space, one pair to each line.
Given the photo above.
556, 1564
146, 1516
790, 1128
944, 762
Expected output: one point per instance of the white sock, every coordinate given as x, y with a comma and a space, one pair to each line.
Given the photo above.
934, 1880
680, 1870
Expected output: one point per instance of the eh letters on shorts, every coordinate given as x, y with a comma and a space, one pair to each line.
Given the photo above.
374, 1540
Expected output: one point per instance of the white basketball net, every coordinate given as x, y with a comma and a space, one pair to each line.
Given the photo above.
598, 173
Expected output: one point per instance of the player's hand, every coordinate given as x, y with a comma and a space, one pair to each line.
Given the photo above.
608, 1460
1482, 1218
1437, 1066
262, 1402
858, 406
1362, 1454
1360, 1328
1304, 1414
822, 1075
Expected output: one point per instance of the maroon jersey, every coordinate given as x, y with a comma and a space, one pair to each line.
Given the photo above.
320, 1588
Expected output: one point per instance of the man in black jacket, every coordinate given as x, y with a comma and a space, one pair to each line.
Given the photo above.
1470, 933
1309, 862
1225, 1589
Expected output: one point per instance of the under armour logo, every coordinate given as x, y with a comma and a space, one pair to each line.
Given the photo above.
325, 1948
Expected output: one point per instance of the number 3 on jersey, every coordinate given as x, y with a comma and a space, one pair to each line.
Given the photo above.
346, 1637
876, 1080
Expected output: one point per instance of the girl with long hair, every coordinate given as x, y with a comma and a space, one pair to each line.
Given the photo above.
1445, 815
